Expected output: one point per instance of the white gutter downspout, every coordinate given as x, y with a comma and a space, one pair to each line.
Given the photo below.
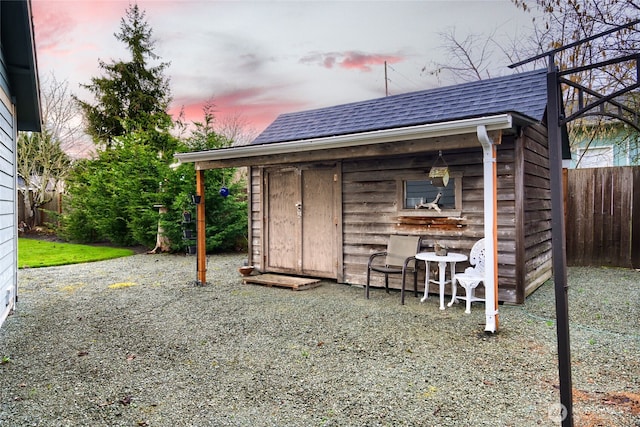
490, 229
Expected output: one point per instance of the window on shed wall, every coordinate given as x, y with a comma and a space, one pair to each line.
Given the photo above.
415, 190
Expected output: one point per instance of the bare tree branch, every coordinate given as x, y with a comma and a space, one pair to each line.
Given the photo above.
41, 161
468, 59
568, 21
235, 127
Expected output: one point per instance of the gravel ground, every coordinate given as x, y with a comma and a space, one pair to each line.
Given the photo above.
133, 342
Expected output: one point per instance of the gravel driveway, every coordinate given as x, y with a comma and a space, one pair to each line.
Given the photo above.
133, 342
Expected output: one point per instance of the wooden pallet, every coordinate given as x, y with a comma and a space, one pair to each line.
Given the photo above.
279, 280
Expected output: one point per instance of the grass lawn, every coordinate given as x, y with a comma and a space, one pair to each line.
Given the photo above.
34, 253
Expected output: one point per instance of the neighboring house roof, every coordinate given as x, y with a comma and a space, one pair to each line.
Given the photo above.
22, 185
17, 39
524, 94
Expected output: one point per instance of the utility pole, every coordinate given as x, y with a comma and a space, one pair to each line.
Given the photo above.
386, 81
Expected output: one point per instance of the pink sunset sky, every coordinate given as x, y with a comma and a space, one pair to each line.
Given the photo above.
258, 59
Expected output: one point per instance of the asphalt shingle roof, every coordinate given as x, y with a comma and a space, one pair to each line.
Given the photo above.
524, 93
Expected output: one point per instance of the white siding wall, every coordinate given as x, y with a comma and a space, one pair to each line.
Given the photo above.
8, 238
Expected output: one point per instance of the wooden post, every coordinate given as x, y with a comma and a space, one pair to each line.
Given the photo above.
201, 255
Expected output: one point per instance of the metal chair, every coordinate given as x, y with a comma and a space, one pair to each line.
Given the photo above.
400, 256
472, 276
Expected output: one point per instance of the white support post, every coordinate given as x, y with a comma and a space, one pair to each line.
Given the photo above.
490, 229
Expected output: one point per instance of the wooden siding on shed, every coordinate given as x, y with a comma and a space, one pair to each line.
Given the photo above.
536, 250
255, 217
370, 212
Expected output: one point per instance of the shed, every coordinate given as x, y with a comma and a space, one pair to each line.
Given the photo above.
19, 110
328, 186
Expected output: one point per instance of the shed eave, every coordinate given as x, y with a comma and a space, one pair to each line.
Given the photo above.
431, 130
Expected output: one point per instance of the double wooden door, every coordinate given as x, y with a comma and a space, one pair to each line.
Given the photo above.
301, 218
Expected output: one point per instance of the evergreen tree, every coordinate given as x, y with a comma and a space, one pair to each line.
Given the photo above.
226, 217
131, 95
112, 197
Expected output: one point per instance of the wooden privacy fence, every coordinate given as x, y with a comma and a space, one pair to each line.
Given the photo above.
55, 205
603, 217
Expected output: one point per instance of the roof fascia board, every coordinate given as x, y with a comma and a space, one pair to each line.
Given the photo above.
432, 130
21, 62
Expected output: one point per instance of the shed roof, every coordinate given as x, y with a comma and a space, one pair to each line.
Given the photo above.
524, 94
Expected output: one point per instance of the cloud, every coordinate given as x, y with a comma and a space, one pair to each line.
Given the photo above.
255, 104
51, 25
251, 62
350, 60
363, 62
